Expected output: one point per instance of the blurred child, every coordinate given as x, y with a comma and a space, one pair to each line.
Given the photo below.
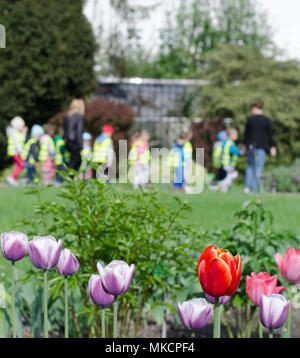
16, 133
103, 153
47, 154
188, 158
230, 154
86, 157
30, 154
61, 155
139, 157
217, 160
177, 160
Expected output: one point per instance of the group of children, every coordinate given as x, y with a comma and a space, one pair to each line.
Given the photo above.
47, 146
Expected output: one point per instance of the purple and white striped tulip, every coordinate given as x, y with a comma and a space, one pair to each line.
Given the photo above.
195, 313
67, 263
222, 300
116, 276
97, 292
274, 310
44, 251
14, 245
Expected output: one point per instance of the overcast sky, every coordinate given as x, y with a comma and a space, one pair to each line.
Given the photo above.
283, 16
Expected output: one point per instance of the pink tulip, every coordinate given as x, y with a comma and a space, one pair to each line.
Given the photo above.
223, 300
14, 245
261, 284
97, 292
289, 265
67, 264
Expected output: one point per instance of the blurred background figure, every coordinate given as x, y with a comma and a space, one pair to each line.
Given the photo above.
86, 170
73, 125
258, 139
30, 153
47, 154
217, 160
103, 151
62, 156
139, 158
16, 134
230, 154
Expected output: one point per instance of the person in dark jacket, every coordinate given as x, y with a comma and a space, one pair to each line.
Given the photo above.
259, 139
73, 125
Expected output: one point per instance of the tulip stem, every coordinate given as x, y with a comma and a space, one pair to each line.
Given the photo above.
260, 329
13, 296
103, 322
192, 334
271, 333
45, 304
217, 322
66, 307
115, 319
290, 292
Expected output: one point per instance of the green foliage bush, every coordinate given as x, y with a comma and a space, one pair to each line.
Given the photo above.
284, 179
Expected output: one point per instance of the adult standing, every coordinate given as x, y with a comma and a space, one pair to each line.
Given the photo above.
258, 140
73, 125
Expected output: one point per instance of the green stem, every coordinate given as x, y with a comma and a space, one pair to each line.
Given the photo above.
217, 322
192, 334
290, 291
260, 329
66, 308
45, 305
13, 295
271, 333
115, 319
103, 322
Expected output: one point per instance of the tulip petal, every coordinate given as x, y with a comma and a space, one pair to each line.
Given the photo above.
218, 278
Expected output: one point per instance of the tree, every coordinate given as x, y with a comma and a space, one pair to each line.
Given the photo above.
240, 76
199, 26
48, 60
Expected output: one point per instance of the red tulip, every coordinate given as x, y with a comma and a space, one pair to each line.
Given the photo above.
289, 265
219, 272
261, 284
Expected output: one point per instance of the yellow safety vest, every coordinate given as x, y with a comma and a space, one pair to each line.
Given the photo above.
217, 153
174, 158
11, 146
222, 156
100, 153
134, 156
188, 150
86, 158
44, 154
25, 153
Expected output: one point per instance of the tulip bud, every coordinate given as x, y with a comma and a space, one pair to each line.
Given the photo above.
195, 313
67, 264
261, 284
274, 310
14, 245
97, 292
222, 300
289, 265
44, 251
116, 277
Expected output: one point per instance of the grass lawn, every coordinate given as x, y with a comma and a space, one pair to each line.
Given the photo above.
210, 210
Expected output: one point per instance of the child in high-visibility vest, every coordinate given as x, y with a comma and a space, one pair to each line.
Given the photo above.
178, 159
139, 158
86, 171
47, 154
30, 154
217, 160
230, 154
103, 151
188, 159
16, 133
61, 155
